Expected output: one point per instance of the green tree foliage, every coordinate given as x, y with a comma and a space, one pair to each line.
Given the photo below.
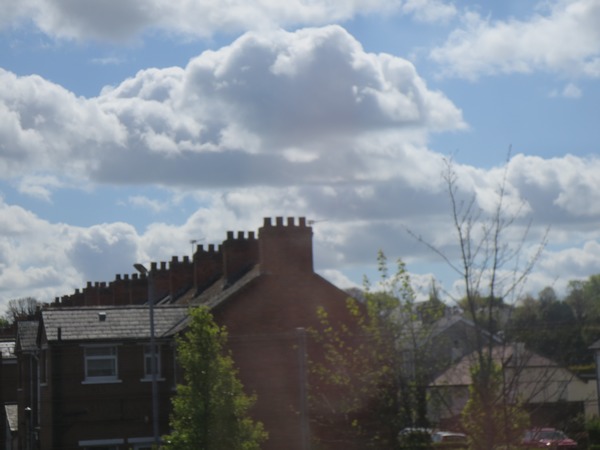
374, 372
551, 327
584, 299
210, 410
560, 328
433, 309
489, 420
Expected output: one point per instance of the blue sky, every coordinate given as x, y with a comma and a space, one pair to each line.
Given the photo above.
129, 129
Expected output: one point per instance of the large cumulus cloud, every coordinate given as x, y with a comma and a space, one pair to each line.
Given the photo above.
269, 108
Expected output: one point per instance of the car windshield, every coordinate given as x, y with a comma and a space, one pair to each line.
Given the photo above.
548, 435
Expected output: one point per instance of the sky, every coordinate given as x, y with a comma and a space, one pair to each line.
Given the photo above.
130, 129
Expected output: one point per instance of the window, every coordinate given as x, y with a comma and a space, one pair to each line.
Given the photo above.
101, 364
148, 361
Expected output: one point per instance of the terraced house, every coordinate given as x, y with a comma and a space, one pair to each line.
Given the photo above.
86, 364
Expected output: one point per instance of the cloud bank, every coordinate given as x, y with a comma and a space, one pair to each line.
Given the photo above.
563, 38
276, 123
114, 20
272, 109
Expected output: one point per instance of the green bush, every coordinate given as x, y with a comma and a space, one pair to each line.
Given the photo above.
593, 430
416, 439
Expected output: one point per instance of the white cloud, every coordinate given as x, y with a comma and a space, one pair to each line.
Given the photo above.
45, 127
40, 187
115, 20
145, 202
565, 40
277, 123
354, 220
430, 11
16, 11
570, 91
107, 61
250, 108
568, 184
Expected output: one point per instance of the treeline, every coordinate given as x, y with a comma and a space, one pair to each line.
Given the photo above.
561, 329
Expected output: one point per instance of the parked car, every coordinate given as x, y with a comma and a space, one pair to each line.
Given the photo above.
547, 438
449, 439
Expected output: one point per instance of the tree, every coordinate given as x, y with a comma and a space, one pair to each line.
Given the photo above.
372, 380
480, 430
21, 308
433, 309
492, 267
584, 299
210, 410
550, 326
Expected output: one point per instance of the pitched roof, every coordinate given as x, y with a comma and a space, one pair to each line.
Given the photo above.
12, 417
130, 322
27, 335
216, 294
219, 292
447, 322
460, 373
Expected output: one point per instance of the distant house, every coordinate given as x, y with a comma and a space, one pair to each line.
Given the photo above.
26, 350
549, 392
95, 373
595, 347
8, 394
267, 296
454, 336
84, 370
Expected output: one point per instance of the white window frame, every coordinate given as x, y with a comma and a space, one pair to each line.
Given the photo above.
113, 356
148, 361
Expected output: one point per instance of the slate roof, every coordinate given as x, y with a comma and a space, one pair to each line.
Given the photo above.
447, 322
27, 331
219, 292
216, 294
460, 373
12, 417
120, 323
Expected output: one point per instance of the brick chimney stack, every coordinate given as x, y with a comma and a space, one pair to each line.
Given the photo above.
285, 248
208, 266
239, 254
